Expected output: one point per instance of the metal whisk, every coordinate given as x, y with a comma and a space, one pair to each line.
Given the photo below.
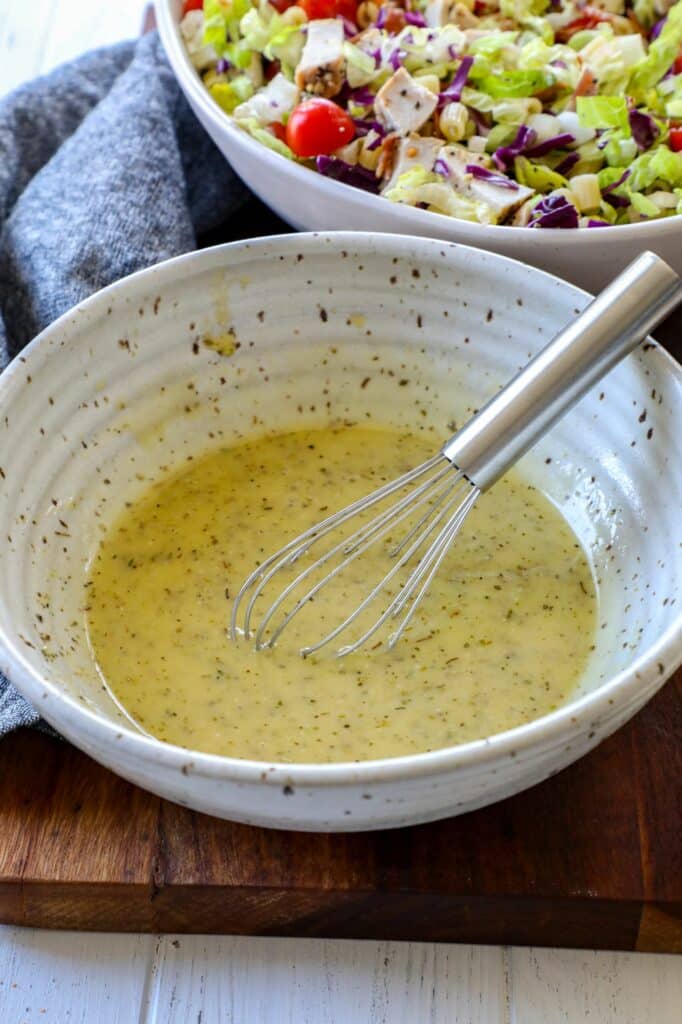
431, 502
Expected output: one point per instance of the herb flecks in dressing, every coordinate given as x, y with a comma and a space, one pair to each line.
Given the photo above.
502, 638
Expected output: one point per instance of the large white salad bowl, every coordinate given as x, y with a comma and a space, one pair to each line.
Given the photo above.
124, 384
310, 202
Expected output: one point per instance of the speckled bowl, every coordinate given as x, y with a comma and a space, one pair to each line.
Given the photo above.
125, 382
312, 202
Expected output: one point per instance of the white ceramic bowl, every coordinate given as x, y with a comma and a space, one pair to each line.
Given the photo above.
101, 398
310, 202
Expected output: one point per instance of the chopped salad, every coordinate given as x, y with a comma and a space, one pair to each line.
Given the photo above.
538, 113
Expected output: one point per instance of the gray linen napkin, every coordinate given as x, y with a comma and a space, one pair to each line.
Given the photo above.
103, 170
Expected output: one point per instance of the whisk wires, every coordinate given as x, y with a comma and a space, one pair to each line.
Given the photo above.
433, 508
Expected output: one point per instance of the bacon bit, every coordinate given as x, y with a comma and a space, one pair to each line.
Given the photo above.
395, 19
272, 69
548, 95
387, 155
587, 84
590, 18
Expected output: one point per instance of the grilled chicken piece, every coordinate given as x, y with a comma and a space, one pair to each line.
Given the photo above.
413, 151
321, 68
500, 199
402, 104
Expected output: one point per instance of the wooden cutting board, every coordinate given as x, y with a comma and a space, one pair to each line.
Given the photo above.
591, 858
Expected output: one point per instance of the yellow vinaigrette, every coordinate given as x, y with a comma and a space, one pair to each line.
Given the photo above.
502, 638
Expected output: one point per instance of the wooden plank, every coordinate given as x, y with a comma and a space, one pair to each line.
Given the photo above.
24, 29
81, 848
36, 37
113, 979
82, 25
570, 987
306, 982
57, 977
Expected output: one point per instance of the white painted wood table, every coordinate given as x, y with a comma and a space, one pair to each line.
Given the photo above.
55, 977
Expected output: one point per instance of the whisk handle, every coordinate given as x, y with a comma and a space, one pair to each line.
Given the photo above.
613, 324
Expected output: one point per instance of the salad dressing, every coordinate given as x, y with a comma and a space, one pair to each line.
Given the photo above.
501, 639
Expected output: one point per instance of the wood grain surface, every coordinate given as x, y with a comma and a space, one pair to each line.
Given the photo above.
591, 858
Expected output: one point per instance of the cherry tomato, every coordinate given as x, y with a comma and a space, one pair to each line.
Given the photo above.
192, 5
318, 126
278, 130
330, 9
677, 66
676, 139
282, 5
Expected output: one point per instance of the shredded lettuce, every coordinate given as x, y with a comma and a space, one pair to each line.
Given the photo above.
660, 164
361, 69
221, 22
266, 138
620, 149
564, 62
672, 97
507, 84
603, 112
609, 175
418, 186
644, 206
611, 58
662, 53
413, 178
500, 135
491, 45
580, 40
272, 37
478, 100
529, 13
442, 198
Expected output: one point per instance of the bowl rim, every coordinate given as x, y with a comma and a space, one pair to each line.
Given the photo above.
80, 723
489, 234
